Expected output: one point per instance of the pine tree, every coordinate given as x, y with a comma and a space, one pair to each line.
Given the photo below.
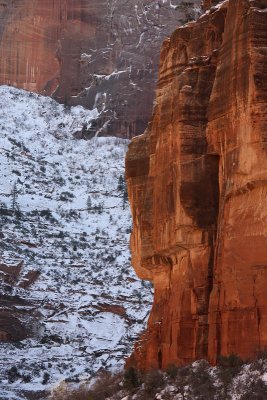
123, 189
14, 194
121, 183
125, 196
89, 203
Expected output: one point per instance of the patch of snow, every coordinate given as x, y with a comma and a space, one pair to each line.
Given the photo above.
70, 224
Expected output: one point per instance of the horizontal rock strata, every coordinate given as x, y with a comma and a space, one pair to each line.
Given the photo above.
197, 187
98, 53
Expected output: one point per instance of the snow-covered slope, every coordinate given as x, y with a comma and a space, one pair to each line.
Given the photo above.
66, 280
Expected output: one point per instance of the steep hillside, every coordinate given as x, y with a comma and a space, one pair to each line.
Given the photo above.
100, 53
197, 187
70, 302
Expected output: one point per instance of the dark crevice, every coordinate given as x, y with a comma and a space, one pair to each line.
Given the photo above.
160, 359
199, 195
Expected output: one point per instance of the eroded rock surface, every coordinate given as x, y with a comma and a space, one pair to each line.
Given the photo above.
207, 4
100, 53
197, 186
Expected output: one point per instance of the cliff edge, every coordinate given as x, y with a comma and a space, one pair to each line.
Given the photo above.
197, 182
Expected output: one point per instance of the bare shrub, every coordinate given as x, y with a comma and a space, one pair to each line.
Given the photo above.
106, 385
131, 379
229, 367
201, 383
153, 381
172, 371
257, 390
71, 394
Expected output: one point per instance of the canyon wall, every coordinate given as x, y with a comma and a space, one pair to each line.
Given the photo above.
100, 54
207, 4
197, 187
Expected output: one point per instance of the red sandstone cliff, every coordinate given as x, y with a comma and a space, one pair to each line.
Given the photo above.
41, 43
197, 187
97, 53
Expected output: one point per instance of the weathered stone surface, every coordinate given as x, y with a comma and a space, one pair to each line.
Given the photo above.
100, 53
207, 4
236, 132
197, 184
18, 317
29, 38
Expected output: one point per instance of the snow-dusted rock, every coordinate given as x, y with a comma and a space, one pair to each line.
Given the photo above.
65, 220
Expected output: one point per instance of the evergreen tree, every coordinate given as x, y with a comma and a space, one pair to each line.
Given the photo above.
125, 196
121, 183
131, 378
14, 194
123, 189
89, 202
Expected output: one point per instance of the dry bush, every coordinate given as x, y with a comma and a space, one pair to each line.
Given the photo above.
131, 379
228, 368
172, 371
70, 394
106, 385
153, 381
202, 385
256, 390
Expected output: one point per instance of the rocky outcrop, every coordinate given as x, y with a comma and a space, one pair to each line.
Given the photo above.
197, 187
18, 317
100, 53
207, 4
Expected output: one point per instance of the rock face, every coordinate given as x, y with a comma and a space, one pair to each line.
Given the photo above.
100, 53
197, 187
29, 40
207, 4
15, 323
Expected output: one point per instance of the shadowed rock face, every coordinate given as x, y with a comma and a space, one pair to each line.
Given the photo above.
18, 317
96, 53
197, 187
207, 4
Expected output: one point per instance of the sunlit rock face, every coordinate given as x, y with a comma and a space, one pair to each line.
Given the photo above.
197, 187
95, 53
236, 132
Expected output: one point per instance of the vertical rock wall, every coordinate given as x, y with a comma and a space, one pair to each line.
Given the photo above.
42, 41
196, 186
29, 38
97, 53
237, 132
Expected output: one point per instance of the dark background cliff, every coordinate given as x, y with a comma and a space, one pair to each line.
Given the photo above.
100, 54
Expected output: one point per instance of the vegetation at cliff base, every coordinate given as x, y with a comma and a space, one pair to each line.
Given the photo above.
232, 379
